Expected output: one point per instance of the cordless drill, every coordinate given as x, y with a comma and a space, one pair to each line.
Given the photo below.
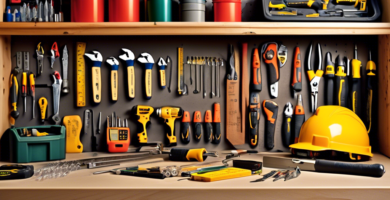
143, 117
170, 114
315, 4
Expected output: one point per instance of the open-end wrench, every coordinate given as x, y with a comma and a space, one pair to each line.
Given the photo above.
219, 64
128, 57
148, 60
65, 88
97, 59
196, 62
114, 77
57, 82
212, 83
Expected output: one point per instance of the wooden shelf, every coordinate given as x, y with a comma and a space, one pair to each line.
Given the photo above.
186, 28
310, 185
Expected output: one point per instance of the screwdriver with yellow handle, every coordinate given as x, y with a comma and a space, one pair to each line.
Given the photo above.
42, 102
24, 91
341, 86
371, 70
356, 83
14, 99
181, 154
32, 92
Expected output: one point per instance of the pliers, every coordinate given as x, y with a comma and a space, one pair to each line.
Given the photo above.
314, 76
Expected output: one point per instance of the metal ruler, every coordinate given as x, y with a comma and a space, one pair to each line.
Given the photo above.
80, 74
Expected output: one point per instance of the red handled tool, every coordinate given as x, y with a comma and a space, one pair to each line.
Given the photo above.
256, 71
185, 130
217, 123
271, 111
297, 72
299, 118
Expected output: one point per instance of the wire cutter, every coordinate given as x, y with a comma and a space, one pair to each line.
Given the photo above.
314, 76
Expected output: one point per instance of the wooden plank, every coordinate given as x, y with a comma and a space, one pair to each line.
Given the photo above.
2, 9
6, 66
385, 11
187, 28
383, 74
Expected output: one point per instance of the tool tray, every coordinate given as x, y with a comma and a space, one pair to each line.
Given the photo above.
373, 13
25, 149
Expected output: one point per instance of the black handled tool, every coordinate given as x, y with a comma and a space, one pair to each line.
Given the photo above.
87, 135
329, 77
296, 81
256, 72
299, 118
356, 84
198, 125
341, 86
371, 76
208, 127
185, 129
9, 172
180, 154
372, 170
254, 117
271, 111
287, 124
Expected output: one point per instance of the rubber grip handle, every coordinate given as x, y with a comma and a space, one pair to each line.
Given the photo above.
254, 123
286, 131
96, 84
297, 71
185, 132
273, 73
178, 154
256, 72
208, 132
272, 63
271, 110
217, 133
298, 122
131, 81
355, 96
143, 134
169, 127
148, 84
341, 89
197, 131
329, 89
373, 170
114, 85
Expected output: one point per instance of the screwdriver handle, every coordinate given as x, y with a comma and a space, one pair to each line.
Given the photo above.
163, 82
341, 88
297, 72
178, 154
24, 84
185, 129
114, 85
208, 126
329, 77
356, 86
271, 111
256, 71
253, 125
14, 98
96, 84
286, 130
217, 123
197, 125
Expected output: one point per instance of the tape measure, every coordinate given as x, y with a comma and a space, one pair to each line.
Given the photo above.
80, 74
180, 63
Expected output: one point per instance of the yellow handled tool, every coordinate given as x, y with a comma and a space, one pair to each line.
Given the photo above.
371, 70
356, 83
80, 74
170, 114
143, 117
148, 60
14, 99
97, 59
162, 67
114, 77
43, 107
363, 3
128, 57
73, 127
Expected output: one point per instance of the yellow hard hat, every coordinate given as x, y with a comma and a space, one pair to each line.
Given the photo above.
334, 128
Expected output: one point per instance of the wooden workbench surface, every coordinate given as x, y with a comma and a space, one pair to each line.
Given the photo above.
315, 185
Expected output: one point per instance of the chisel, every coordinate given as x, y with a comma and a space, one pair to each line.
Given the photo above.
297, 72
208, 128
198, 125
329, 77
371, 70
185, 129
270, 109
356, 84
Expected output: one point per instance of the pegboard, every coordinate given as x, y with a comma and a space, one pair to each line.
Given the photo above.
163, 46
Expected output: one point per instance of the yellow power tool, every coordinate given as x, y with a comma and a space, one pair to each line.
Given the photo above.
170, 114
143, 117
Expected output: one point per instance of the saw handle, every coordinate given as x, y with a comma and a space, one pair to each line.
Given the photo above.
372, 170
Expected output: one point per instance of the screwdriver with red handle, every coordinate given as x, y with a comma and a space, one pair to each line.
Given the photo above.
32, 92
256, 71
297, 72
24, 90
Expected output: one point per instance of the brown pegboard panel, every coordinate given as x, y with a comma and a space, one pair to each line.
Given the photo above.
162, 46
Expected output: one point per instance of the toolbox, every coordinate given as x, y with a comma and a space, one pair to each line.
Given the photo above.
372, 13
25, 149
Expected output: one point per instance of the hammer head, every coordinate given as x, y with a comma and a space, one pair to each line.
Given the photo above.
128, 55
96, 56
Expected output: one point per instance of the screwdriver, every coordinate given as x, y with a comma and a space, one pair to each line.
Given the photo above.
356, 83
197, 125
299, 118
14, 98
341, 83
32, 92
217, 123
370, 69
24, 90
185, 128
208, 134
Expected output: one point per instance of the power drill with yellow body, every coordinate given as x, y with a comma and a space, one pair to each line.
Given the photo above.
143, 117
170, 114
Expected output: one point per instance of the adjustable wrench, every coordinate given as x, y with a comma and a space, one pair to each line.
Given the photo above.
148, 60
128, 57
114, 77
97, 59
57, 82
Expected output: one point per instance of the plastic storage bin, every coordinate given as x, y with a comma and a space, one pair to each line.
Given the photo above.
227, 10
193, 10
87, 10
34, 149
123, 10
159, 10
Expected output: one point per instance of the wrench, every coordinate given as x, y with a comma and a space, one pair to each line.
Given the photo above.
97, 59
57, 82
148, 60
190, 63
128, 57
114, 77
218, 85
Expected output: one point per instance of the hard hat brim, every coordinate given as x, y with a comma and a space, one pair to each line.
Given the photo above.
310, 147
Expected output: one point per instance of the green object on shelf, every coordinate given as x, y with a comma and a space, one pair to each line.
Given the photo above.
25, 149
159, 10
